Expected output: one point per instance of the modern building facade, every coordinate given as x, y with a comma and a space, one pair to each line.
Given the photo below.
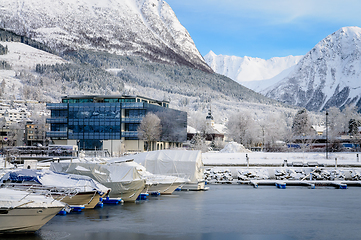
97, 122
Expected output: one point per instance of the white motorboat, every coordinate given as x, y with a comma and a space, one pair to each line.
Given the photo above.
69, 188
162, 184
22, 212
122, 178
180, 163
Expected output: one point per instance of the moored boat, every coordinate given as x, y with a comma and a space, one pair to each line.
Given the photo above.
162, 184
181, 163
69, 188
23, 212
122, 178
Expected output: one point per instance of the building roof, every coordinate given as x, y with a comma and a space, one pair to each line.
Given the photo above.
109, 96
191, 130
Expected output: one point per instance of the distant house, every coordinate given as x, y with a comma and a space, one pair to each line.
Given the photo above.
212, 132
16, 115
320, 129
35, 134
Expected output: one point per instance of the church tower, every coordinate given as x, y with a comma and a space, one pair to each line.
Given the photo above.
209, 119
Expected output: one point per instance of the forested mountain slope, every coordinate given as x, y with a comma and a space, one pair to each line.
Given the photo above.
147, 28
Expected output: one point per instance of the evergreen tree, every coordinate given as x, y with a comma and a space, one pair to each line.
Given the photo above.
301, 125
353, 127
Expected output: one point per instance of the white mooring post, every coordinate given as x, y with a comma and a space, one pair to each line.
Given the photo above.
357, 157
335, 162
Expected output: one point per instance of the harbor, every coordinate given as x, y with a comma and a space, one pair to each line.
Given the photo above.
223, 212
284, 200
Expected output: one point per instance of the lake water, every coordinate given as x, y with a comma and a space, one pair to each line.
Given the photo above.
223, 212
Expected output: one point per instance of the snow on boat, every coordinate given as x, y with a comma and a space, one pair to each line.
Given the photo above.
162, 184
122, 178
23, 212
69, 188
179, 163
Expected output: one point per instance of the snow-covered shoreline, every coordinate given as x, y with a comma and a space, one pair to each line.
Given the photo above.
233, 167
272, 158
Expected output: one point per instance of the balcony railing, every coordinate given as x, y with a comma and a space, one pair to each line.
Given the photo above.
56, 120
56, 106
133, 105
132, 120
130, 134
57, 134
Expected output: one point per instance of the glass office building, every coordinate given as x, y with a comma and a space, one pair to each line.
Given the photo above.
111, 122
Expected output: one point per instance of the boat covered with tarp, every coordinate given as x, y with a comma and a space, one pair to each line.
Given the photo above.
69, 188
181, 163
25, 212
121, 177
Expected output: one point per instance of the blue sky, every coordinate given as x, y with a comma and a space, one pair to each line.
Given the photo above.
263, 28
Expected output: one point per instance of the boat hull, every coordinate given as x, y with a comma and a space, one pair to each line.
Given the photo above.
163, 189
25, 220
128, 192
195, 186
88, 199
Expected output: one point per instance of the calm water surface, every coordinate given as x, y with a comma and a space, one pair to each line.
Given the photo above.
223, 212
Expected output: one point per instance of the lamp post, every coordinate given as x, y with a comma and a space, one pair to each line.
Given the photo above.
303, 145
326, 135
2, 139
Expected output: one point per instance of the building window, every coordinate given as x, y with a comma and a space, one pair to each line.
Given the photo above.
111, 100
131, 127
133, 113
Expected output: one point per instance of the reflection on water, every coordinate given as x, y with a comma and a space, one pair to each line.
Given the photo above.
223, 212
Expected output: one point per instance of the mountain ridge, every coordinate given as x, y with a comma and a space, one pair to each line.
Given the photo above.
147, 28
328, 75
246, 69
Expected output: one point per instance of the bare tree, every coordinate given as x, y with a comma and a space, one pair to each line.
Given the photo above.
241, 128
274, 129
199, 143
150, 129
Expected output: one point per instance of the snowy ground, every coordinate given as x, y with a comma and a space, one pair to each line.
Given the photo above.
22, 56
266, 158
232, 167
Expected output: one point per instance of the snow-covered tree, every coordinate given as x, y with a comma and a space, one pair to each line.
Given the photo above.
301, 125
274, 129
198, 142
150, 129
241, 128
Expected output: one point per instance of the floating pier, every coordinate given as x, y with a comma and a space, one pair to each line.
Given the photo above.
305, 183
77, 208
156, 193
143, 196
114, 201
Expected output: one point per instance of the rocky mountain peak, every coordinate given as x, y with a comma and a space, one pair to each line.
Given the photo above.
147, 28
326, 76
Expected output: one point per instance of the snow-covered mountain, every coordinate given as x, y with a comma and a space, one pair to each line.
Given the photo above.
147, 28
247, 69
328, 75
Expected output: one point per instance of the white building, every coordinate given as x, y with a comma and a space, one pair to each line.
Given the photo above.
15, 115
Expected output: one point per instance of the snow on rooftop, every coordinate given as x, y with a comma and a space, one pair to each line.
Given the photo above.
191, 130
